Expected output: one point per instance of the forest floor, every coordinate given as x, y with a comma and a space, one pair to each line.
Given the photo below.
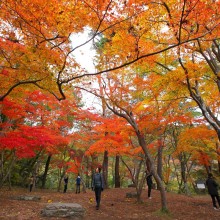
114, 205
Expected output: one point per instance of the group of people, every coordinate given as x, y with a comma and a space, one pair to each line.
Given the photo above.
211, 184
78, 183
98, 186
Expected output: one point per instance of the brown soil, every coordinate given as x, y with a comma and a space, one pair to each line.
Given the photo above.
114, 205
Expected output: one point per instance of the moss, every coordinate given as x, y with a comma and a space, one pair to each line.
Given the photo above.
164, 213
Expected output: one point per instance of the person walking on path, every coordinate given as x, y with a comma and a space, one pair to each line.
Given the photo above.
31, 183
213, 190
65, 179
149, 183
97, 186
78, 182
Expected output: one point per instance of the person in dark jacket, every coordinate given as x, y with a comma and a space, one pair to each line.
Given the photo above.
213, 190
78, 182
97, 186
66, 179
149, 183
31, 183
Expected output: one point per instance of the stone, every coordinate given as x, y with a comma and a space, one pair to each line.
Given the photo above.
131, 195
29, 198
64, 210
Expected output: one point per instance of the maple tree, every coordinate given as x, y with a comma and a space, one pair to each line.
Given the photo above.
184, 22
39, 123
204, 84
121, 106
201, 142
198, 78
120, 95
188, 146
115, 137
38, 41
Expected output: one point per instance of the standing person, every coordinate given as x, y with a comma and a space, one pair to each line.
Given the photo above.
213, 190
31, 183
65, 179
149, 183
78, 182
97, 186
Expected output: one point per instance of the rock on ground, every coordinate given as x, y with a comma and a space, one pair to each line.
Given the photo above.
131, 195
28, 198
64, 210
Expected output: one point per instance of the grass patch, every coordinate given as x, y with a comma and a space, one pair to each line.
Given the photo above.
164, 214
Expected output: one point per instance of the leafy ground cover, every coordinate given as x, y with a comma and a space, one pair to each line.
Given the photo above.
114, 205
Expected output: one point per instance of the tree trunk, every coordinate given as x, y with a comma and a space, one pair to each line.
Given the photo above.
183, 173
117, 173
8, 171
139, 182
61, 174
44, 179
160, 161
28, 168
218, 155
2, 165
9, 181
105, 169
130, 171
128, 115
88, 173
158, 180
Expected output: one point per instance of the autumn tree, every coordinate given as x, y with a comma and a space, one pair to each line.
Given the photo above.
34, 125
116, 137
38, 38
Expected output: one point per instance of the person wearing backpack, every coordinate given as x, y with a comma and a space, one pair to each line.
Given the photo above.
97, 185
78, 182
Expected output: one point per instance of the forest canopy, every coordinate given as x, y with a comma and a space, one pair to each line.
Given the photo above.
157, 79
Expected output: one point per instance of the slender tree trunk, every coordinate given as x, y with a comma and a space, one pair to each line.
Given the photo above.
183, 173
44, 179
2, 165
208, 169
8, 172
130, 171
155, 175
160, 160
105, 159
218, 154
29, 167
105, 169
9, 181
88, 174
136, 179
139, 182
83, 184
117, 173
113, 172
61, 174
